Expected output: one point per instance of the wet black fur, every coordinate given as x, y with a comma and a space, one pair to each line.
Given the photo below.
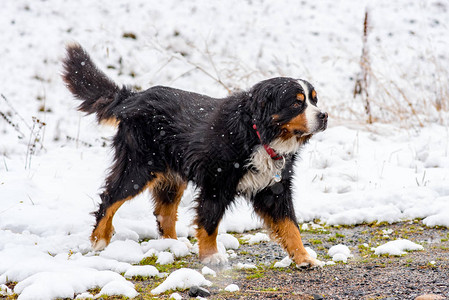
203, 139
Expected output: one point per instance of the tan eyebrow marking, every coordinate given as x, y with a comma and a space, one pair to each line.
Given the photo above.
313, 94
300, 97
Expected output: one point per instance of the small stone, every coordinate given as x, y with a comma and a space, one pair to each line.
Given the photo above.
317, 297
196, 291
429, 297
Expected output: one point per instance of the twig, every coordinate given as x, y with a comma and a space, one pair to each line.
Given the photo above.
6, 166
37, 138
13, 125
195, 65
31, 148
32, 202
15, 111
78, 141
362, 84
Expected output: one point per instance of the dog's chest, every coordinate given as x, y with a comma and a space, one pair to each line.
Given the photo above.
262, 172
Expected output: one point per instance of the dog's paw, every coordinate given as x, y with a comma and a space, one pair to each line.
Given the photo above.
215, 259
309, 263
99, 245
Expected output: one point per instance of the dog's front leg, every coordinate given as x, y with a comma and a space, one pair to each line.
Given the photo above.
275, 206
211, 205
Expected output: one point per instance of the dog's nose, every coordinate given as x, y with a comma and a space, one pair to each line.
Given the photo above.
322, 116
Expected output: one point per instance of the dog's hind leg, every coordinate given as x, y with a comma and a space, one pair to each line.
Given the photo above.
111, 200
167, 193
133, 171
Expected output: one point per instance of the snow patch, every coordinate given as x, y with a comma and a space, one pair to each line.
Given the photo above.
183, 278
256, 238
397, 247
232, 288
340, 253
165, 258
144, 271
208, 271
118, 288
228, 241
245, 266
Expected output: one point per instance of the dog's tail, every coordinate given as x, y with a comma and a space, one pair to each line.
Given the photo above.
99, 94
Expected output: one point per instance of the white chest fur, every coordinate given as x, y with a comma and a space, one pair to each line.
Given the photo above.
262, 168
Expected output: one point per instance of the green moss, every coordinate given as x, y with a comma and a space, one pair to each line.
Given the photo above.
177, 264
332, 239
315, 242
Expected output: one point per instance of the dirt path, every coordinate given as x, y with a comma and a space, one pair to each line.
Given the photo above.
364, 276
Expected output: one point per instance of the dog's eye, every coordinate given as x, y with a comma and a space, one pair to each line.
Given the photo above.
297, 104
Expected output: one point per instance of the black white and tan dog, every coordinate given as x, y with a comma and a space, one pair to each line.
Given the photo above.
242, 145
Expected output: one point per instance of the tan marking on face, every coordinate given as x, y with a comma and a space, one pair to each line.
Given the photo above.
298, 123
313, 94
207, 243
300, 97
167, 213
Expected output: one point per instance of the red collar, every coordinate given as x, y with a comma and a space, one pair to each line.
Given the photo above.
269, 150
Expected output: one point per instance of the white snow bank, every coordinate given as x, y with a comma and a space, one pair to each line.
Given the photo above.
128, 251
175, 296
441, 215
165, 258
229, 241
256, 238
208, 271
144, 271
178, 247
287, 261
183, 278
245, 266
118, 288
397, 247
339, 253
232, 288
68, 283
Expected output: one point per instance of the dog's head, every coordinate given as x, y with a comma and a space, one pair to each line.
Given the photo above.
286, 108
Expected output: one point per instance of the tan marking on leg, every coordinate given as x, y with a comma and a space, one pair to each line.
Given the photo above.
287, 233
102, 234
207, 243
167, 214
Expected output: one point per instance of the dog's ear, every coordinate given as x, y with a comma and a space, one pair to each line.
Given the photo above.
262, 105
261, 95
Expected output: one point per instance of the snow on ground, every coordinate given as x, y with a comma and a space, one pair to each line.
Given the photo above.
245, 266
182, 278
287, 261
339, 253
397, 247
256, 238
352, 173
232, 288
208, 271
